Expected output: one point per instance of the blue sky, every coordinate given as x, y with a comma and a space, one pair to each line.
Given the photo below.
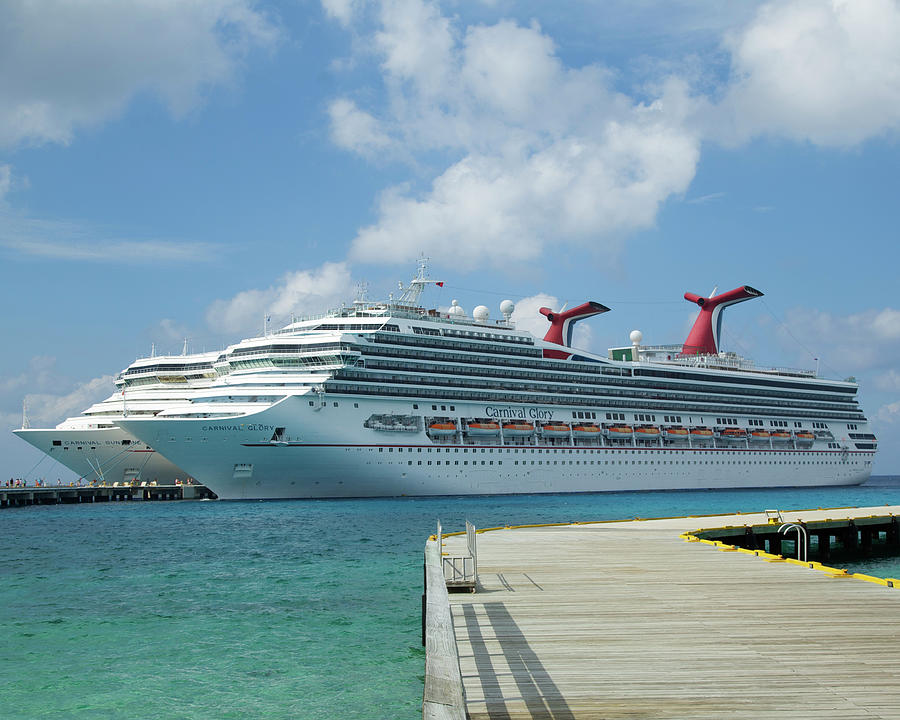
174, 170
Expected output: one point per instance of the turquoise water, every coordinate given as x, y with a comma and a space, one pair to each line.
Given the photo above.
294, 609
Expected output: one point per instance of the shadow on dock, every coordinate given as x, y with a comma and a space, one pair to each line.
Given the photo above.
540, 694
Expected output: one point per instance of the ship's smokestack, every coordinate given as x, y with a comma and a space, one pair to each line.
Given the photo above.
563, 323
704, 336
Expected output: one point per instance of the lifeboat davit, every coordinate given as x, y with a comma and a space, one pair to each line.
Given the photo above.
442, 429
483, 428
555, 430
586, 431
732, 434
759, 436
781, 437
804, 438
675, 434
619, 432
518, 429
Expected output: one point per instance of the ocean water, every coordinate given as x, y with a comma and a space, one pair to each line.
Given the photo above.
293, 609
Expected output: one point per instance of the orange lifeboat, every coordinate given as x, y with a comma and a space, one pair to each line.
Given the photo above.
619, 432
759, 436
518, 429
647, 431
732, 434
586, 431
781, 436
441, 429
675, 433
555, 430
701, 433
483, 428
804, 437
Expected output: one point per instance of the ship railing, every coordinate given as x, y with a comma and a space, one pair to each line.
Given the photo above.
729, 362
408, 312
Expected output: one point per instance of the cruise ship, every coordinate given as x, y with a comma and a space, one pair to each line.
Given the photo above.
97, 449
391, 399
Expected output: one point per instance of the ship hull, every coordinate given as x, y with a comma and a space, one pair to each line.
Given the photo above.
103, 454
325, 452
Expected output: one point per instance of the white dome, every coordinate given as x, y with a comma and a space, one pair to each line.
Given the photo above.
481, 313
456, 310
636, 337
507, 307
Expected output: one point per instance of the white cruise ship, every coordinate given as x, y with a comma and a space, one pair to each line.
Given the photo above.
390, 399
92, 444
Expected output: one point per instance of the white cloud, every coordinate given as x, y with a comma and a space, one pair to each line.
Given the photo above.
66, 66
542, 153
808, 70
37, 383
888, 413
854, 343
344, 11
889, 380
354, 129
75, 241
704, 199
47, 409
300, 292
5, 180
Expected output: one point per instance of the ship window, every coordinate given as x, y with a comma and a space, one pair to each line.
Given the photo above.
57, 443
415, 407
310, 403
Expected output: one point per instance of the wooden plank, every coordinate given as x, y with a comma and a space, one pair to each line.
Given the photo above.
443, 695
625, 620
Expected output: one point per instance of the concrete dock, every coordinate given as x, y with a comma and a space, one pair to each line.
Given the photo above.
629, 620
71, 494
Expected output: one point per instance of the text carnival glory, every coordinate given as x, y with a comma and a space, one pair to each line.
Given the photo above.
510, 413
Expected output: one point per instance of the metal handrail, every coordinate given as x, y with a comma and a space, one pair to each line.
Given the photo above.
801, 535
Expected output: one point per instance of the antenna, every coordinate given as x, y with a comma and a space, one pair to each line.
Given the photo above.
184, 348
410, 296
152, 349
25, 423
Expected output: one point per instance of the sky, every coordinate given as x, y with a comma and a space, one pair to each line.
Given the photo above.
175, 170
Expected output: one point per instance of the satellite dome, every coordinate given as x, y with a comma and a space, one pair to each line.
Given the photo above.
456, 310
481, 313
636, 337
506, 308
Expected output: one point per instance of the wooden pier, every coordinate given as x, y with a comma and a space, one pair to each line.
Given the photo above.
70, 494
630, 620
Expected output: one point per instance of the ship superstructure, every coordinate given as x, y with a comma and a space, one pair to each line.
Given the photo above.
387, 399
96, 448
